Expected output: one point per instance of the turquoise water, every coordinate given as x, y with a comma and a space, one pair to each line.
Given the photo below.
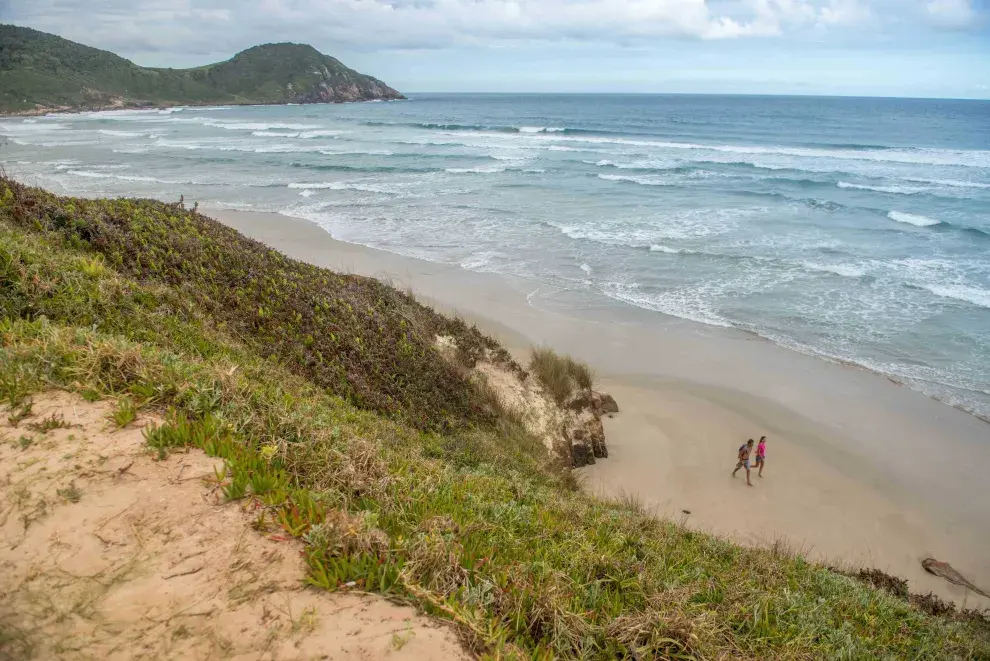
853, 229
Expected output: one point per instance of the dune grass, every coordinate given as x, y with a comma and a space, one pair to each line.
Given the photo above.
560, 375
462, 514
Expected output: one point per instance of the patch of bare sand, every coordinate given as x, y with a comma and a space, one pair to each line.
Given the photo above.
106, 553
524, 396
539, 414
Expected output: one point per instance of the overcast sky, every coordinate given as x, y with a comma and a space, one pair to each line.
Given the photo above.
858, 47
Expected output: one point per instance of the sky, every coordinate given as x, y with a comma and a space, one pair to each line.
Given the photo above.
926, 48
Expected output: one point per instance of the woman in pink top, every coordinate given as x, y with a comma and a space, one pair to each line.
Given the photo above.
761, 454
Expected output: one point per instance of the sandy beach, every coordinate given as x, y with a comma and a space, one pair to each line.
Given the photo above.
860, 470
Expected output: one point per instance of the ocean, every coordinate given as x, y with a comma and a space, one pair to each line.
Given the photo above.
852, 229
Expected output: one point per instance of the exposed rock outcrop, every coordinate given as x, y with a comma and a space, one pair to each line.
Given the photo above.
348, 92
586, 437
608, 404
573, 432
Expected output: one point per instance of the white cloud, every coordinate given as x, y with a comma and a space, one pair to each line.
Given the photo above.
846, 12
205, 27
951, 13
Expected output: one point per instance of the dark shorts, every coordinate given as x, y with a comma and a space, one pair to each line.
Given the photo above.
760, 460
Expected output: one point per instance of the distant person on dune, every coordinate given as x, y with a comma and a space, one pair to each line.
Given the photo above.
761, 454
743, 459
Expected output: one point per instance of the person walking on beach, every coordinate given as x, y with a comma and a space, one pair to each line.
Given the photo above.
761, 454
743, 459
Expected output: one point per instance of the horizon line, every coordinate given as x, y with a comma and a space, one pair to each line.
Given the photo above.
740, 94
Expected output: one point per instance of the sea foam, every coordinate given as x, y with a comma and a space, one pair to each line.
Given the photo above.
477, 170
912, 219
122, 177
897, 190
642, 181
968, 294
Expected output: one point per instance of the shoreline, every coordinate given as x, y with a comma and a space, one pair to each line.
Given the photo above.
41, 112
749, 333
851, 477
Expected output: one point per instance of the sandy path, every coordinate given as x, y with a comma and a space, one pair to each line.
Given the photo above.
105, 553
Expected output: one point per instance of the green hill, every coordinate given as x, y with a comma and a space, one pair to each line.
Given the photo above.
342, 424
44, 71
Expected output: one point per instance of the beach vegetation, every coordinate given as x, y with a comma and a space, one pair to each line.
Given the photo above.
124, 413
560, 375
395, 469
19, 412
71, 493
48, 423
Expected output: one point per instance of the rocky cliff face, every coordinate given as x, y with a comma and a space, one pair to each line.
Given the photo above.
346, 92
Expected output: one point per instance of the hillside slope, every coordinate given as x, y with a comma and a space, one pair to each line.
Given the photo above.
44, 71
341, 424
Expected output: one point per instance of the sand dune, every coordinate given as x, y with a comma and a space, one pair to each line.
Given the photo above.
860, 471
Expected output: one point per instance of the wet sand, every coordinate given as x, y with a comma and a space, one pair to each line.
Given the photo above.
860, 470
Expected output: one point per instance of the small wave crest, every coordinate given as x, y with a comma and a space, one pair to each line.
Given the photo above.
951, 183
126, 134
357, 152
844, 270
489, 128
33, 128
968, 294
642, 165
306, 135
274, 134
303, 135
916, 156
642, 181
491, 169
245, 126
125, 177
912, 219
895, 190
371, 169
341, 186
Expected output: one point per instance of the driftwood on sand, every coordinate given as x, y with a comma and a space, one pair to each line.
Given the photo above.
945, 570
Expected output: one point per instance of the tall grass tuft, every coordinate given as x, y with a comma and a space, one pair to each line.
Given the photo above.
560, 375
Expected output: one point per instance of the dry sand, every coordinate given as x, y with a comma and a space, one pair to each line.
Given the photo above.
860, 470
108, 554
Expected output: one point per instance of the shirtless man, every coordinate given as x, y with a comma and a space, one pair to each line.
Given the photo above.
743, 459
